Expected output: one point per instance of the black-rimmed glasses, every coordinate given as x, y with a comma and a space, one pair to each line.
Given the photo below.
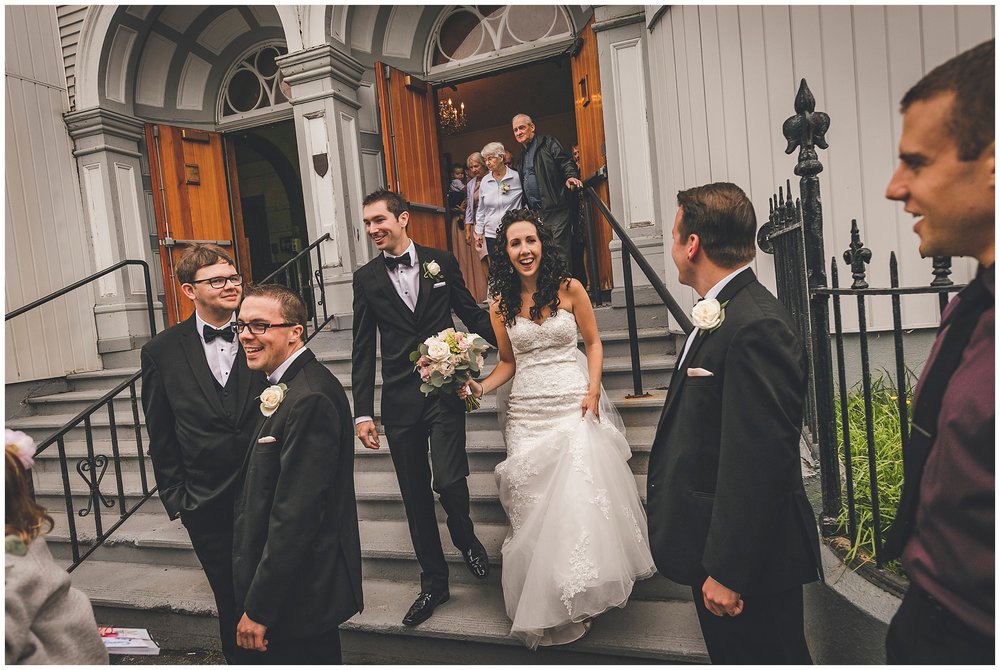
259, 327
219, 282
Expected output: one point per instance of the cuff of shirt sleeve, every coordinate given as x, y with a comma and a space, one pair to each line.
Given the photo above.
362, 419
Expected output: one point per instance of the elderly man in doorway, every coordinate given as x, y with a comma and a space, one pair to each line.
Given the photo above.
549, 176
945, 527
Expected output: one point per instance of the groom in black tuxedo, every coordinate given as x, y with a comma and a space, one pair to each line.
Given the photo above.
727, 511
196, 391
406, 294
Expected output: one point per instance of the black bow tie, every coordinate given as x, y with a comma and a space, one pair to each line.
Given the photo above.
393, 262
225, 333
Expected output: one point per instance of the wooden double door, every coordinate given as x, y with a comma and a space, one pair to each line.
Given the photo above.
408, 117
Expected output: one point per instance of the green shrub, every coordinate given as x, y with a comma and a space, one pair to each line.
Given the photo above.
888, 461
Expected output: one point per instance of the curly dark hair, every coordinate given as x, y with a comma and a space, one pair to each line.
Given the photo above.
505, 283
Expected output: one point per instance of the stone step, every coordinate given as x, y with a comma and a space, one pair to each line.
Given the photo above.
643, 411
175, 604
656, 371
473, 628
386, 549
485, 449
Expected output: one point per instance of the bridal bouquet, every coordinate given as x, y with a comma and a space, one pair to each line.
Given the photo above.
448, 360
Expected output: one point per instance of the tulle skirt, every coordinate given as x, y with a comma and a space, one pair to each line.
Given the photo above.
578, 539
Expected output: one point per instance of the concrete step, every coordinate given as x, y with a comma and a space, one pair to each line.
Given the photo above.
656, 371
379, 498
176, 605
473, 628
635, 412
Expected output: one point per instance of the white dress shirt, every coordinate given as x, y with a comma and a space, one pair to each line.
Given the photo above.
275, 376
220, 354
711, 294
406, 279
494, 202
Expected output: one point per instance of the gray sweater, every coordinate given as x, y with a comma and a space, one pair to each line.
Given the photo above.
47, 620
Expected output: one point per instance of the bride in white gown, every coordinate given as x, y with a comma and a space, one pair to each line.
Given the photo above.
577, 539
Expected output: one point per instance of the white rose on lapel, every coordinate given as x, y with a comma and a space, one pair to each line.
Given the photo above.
432, 270
271, 397
708, 315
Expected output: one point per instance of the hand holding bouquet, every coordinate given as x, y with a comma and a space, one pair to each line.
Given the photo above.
449, 360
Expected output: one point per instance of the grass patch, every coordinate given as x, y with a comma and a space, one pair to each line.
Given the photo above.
888, 455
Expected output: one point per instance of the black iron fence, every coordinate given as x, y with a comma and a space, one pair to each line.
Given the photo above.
630, 254
301, 276
82, 494
794, 234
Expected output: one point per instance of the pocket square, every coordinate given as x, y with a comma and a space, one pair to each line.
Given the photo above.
440, 284
699, 372
270, 439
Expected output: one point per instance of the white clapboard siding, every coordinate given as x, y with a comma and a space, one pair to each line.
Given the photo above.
46, 243
70, 19
724, 80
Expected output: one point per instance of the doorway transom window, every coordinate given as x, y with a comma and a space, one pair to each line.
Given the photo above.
254, 84
470, 33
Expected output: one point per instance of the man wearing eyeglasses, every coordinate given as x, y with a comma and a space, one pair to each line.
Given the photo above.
297, 549
196, 395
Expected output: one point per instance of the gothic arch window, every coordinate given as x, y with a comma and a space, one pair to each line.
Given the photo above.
253, 86
468, 34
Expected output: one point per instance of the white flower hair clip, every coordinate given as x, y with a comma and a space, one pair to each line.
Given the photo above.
22, 445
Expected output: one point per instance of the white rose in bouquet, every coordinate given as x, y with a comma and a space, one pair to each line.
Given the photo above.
437, 350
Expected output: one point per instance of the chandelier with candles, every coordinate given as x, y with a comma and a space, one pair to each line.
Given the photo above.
451, 119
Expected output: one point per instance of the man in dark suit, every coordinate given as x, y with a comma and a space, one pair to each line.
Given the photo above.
727, 511
945, 528
406, 294
196, 391
297, 551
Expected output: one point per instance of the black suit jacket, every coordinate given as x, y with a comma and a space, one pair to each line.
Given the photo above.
296, 548
725, 494
377, 307
197, 450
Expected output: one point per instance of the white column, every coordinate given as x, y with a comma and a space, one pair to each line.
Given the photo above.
107, 155
324, 98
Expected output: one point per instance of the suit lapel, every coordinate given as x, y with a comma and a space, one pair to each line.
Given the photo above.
382, 280
304, 358
245, 379
195, 352
735, 285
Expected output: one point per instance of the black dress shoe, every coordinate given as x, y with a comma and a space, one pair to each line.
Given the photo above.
422, 608
477, 561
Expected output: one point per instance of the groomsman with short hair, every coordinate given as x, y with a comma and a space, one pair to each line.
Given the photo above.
196, 391
297, 549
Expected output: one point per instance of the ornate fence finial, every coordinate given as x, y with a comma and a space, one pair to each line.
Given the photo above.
857, 256
805, 131
942, 271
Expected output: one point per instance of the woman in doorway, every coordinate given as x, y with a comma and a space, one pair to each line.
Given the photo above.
577, 540
463, 221
500, 192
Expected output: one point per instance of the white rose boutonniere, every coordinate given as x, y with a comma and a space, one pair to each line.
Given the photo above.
432, 271
505, 187
708, 315
271, 397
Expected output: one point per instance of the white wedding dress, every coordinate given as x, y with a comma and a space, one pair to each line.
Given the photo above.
577, 539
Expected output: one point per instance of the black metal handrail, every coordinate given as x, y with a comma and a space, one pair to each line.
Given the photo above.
631, 254
96, 464
291, 280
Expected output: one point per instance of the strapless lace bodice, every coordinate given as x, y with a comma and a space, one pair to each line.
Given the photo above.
546, 357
